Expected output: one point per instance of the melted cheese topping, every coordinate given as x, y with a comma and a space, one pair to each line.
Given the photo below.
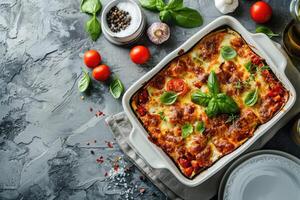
189, 72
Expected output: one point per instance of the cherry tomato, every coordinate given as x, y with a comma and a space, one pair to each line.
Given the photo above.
139, 54
92, 58
261, 12
101, 73
177, 85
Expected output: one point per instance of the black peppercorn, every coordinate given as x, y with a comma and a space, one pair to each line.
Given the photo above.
117, 19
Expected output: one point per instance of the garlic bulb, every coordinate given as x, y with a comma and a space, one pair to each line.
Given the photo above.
226, 6
158, 32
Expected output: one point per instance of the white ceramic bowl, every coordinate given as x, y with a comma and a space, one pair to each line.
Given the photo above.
131, 36
156, 157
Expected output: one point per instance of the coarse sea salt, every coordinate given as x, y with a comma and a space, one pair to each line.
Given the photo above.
132, 9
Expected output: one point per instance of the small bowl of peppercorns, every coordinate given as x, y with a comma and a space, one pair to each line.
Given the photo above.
122, 22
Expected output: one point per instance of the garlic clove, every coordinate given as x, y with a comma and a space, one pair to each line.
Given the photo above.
226, 6
158, 32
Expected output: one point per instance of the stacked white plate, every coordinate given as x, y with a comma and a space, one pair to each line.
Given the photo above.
262, 175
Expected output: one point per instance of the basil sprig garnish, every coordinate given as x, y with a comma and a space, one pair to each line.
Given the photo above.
174, 12
84, 82
251, 98
228, 53
168, 98
215, 102
252, 68
266, 30
116, 88
186, 130
200, 126
92, 26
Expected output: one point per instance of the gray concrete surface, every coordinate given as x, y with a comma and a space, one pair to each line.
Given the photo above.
47, 132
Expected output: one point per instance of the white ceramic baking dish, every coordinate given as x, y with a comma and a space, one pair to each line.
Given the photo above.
155, 156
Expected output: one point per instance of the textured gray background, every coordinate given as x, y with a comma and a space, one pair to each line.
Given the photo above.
45, 127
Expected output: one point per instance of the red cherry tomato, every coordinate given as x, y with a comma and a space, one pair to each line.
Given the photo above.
92, 58
101, 73
261, 12
139, 54
177, 85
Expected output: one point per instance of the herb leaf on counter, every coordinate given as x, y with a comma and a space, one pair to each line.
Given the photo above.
160, 5
168, 98
93, 27
149, 4
90, 6
165, 16
187, 17
266, 30
84, 82
186, 130
174, 12
175, 4
116, 88
251, 98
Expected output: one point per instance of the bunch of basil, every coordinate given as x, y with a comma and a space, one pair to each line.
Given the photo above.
174, 12
93, 26
215, 102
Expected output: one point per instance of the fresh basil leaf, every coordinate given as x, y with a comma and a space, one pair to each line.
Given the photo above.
187, 17
84, 82
200, 127
116, 88
162, 116
168, 98
160, 5
174, 4
212, 83
226, 104
149, 4
90, 6
165, 16
228, 53
200, 98
212, 109
153, 5
265, 30
251, 98
186, 130
93, 27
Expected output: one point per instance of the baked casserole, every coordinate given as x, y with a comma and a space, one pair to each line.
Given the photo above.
208, 101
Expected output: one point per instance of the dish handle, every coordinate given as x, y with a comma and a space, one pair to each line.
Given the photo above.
146, 150
276, 56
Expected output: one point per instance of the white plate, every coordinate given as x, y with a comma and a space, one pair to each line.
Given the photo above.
264, 176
